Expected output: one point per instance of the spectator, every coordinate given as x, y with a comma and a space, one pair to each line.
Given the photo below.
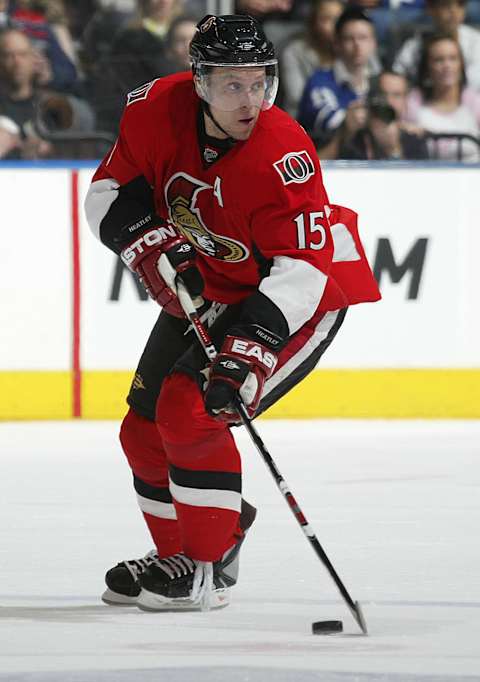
44, 23
395, 88
31, 107
313, 50
259, 8
447, 17
178, 40
332, 105
383, 137
288, 10
386, 13
138, 53
442, 103
53, 13
78, 15
100, 32
281, 18
105, 94
122, 52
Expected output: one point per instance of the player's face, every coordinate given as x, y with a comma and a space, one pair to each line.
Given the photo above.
237, 97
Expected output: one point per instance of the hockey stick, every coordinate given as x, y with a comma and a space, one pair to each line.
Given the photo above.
211, 352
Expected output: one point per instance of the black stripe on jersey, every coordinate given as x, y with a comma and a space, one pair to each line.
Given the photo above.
132, 210
206, 480
264, 264
151, 492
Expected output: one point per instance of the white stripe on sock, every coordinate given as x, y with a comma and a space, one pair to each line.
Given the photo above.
199, 497
162, 510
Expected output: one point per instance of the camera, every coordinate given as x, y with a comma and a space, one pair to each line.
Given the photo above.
379, 108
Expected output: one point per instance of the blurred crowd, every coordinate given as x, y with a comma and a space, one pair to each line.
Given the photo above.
370, 79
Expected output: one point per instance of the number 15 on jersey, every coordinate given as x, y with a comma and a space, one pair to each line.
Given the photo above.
307, 225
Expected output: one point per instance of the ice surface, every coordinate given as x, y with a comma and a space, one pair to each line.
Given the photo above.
396, 506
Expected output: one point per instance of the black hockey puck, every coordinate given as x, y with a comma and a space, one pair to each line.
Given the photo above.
327, 627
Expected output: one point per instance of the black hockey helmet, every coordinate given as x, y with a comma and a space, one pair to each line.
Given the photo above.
232, 41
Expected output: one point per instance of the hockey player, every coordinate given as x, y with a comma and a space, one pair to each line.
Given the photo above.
209, 177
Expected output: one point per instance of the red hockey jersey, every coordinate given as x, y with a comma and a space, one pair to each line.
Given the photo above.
263, 202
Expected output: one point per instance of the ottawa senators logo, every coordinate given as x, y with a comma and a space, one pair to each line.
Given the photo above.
295, 167
181, 193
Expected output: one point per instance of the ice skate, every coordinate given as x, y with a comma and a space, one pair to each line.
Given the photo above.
122, 583
178, 583
122, 580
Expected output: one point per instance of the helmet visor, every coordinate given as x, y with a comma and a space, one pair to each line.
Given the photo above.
229, 87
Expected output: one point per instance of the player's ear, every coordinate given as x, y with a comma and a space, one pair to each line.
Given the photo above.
199, 86
196, 84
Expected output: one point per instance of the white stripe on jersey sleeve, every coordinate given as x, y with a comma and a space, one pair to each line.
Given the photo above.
296, 288
344, 249
100, 196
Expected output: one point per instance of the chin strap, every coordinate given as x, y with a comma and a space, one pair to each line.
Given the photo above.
207, 110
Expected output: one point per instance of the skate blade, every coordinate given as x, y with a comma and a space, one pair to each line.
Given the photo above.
150, 601
116, 599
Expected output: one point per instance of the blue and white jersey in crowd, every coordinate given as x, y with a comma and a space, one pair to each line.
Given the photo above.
325, 99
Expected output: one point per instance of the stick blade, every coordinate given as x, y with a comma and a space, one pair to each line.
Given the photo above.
359, 617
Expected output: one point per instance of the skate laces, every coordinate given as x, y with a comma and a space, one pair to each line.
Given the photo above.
179, 565
202, 584
175, 566
137, 566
